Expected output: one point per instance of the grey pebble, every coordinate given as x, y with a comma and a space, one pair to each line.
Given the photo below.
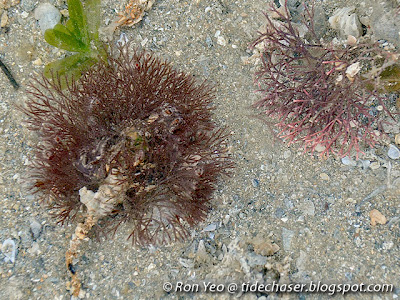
28, 5
287, 236
47, 15
36, 229
209, 42
254, 259
287, 154
308, 208
53, 280
279, 213
289, 204
255, 183
347, 161
393, 152
210, 227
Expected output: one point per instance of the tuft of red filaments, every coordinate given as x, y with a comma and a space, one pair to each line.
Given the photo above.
319, 94
133, 141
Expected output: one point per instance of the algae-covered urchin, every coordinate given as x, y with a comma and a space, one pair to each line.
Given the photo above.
132, 138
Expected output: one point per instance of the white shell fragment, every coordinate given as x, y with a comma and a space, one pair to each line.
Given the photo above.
346, 21
352, 70
9, 250
393, 152
102, 202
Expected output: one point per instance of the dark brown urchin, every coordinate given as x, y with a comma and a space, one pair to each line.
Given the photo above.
319, 93
133, 139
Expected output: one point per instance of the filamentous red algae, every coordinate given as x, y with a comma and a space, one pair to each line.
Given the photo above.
316, 93
132, 139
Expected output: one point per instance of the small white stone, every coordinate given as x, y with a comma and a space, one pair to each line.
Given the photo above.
210, 227
353, 69
24, 15
375, 165
287, 154
9, 250
347, 161
47, 15
37, 62
393, 152
221, 40
324, 176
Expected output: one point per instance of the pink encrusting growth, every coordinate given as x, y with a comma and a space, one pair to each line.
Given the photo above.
317, 93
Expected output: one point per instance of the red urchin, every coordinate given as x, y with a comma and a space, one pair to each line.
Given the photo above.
132, 138
320, 94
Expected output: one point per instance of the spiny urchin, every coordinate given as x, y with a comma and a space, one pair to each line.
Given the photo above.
133, 139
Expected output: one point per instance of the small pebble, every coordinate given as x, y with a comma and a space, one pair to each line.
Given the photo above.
255, 183
37, 62
36, 229
287, 236
365, 164
47, 15
393, 152
28, 5
308, 208
377, 217
3, 19
375, 165
254, 259
264, 246
8, 248
210, 227
279, 213
387, 245
209, 42
221, 40
324, 176
287, 154
347, 161
35, 249
319, 148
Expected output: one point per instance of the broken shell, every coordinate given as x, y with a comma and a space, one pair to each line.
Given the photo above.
397, 139
377, 217
339, 79
152, 118
346, 21
352, 70
351, 40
